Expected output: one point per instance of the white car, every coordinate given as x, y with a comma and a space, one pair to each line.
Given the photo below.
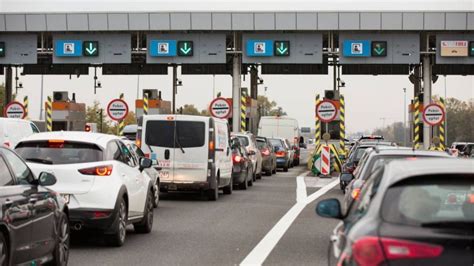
250, 143
13, 130
99, 178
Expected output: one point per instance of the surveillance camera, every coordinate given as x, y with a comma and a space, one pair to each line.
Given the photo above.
343, 83
20, 85
180, 83
99, 84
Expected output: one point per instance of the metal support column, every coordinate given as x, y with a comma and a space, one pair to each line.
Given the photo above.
8, 85
426, 99
236, 72
175, 84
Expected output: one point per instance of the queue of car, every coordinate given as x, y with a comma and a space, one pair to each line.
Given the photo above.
402, 207
57, 183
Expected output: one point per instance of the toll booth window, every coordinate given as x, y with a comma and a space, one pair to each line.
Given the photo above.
169, 134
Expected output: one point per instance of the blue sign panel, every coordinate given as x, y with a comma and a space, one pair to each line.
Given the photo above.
259, 48
68, 48
163, 48
356, 48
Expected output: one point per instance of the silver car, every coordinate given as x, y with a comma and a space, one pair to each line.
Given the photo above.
250, 143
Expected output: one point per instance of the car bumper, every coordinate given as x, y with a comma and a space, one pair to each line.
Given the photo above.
267, 164
191, 186
238, 177
94, 219
282, 162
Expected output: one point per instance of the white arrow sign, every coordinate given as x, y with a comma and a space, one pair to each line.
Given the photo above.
220, 108
326, 111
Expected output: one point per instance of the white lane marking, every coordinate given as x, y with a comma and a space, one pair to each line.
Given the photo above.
301, 187
261, 251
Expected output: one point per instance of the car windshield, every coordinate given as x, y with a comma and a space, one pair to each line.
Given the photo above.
189, 134
59, 152
276, 142
431, 200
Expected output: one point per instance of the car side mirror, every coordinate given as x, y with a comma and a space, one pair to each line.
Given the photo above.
329, 208
145, 163
46, 179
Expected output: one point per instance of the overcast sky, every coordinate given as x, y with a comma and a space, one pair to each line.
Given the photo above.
370, 100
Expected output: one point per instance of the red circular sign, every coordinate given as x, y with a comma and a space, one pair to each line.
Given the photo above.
14, 110
433, 114
326, 111
117, 109
220, 108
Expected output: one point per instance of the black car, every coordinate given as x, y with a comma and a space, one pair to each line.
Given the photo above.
34, 223
410, 212
242, 172
268, 155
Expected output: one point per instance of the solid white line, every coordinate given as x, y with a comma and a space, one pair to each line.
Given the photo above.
261, 251
301, 188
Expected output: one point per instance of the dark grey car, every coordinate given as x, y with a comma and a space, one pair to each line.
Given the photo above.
268, 155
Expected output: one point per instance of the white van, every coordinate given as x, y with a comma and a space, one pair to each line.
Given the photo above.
279, 127
13, 130
192, 152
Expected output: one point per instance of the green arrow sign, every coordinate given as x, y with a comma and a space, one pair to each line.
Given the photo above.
471, 48
281, 48
185, 48
2, 49
90, 48
379, 49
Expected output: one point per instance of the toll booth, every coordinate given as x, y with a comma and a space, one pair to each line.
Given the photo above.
67, 115
333, 127
156, 105
251, 113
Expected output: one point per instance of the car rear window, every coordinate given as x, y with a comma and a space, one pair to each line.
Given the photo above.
261, 144
276, 142
430, 199
243, 140
189, 134
59, 152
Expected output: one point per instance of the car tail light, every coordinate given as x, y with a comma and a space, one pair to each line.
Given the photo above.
104, 170
236, 158
211, 145
138, 142
372, 251
101, 214
280, 153
265, 152
56, 143
355, 193
6, 144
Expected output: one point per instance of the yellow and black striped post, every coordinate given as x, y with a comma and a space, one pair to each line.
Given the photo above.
145, 103
416, 123
25, 104
121, 122
442, 127
243, 112
49, 114
317, 124
342, 125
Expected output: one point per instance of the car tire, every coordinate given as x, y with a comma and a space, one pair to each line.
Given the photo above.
146, 225
228, 189
274, 170
252, 178
244, 185
156, 195
61, 249
4, 251
268, 173
117, 238
213, 193
285, 169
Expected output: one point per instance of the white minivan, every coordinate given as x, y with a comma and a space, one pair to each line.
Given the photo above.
279, 127
13, 130
191, 152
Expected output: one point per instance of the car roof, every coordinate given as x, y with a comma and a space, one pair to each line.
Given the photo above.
78, 136
399, 170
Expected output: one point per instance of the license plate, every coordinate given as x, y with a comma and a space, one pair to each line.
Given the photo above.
172, 187
66, 197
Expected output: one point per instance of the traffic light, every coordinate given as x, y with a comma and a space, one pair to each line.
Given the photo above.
2, 49
185, 48
471, 48
379, 49
281, 48
90, 48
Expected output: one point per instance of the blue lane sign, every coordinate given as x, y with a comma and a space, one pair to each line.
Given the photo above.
356, 48
163, 48
259, 48
68, 48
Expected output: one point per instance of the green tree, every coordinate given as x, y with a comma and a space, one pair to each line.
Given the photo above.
93, 115
269, 108
460, 120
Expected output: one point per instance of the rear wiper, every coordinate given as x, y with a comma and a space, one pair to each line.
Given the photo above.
449, 224
179, 145
38, 160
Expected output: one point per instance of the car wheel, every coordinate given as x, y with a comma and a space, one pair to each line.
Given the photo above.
213, 194
3, 251
146, 225
228, 189
245, 184
156, 195
274, 170
269, 172
285, 169
117, 238
252, 178
61, 250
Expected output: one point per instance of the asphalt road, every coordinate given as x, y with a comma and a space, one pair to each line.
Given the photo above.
189, 230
